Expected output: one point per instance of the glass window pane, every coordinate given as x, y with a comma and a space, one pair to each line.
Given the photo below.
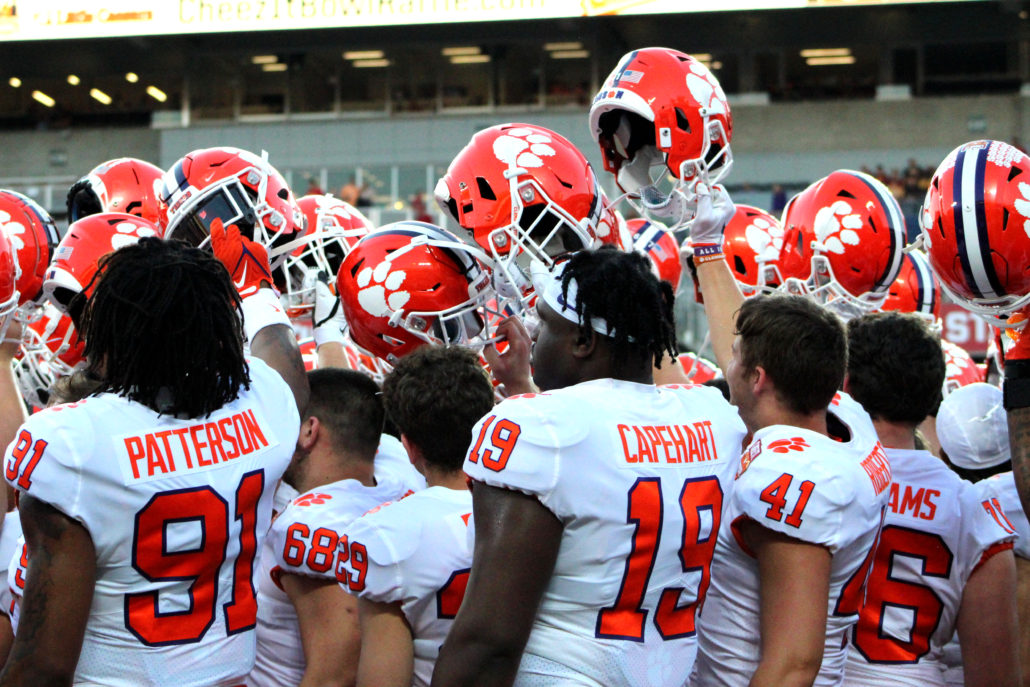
518, 75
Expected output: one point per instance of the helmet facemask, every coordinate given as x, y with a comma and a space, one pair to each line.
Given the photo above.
642, 168
540, 231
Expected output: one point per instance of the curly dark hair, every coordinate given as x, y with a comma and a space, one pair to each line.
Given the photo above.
162, 328
621, 288
896, 366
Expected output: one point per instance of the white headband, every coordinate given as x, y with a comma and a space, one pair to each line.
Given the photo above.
547, 285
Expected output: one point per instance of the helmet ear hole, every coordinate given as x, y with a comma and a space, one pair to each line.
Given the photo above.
681, 120
485, 191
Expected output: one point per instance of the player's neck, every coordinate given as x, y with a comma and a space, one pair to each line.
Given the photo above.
777, 414
451, 479
330, 468
895, 435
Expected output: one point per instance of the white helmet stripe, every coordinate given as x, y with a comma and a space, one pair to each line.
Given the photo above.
968, 198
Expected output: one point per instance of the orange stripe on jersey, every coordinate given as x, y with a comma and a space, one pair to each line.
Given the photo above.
992, 551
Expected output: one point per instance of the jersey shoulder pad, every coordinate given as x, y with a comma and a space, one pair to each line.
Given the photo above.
50, 454
791, 486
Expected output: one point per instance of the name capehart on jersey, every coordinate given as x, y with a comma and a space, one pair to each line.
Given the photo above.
643, 470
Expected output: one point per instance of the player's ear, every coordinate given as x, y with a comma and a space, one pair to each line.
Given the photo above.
584, 343
310, 428
759, 380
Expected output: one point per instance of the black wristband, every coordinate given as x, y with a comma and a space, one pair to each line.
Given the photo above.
1016, 387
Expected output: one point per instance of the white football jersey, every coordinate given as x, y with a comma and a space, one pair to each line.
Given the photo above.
11, 545
16, 570
303, 541
809, 487
1003, 488
177, 510
637, 475
937, 529
416, 553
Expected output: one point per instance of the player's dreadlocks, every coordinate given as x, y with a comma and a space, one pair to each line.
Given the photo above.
620, 288
161, 329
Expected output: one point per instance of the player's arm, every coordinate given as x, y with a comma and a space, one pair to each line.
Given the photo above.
277, 346
1023, 608
267, 327
6, 638
387, 647
721, 294
794, 588
328, 621
57, 599
517, 541
988, 626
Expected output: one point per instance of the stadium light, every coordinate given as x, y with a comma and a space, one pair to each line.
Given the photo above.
470, 59
363, 55
461, 51
824, 61
14, 82
100, 96
157, 94
73, 80
264, 59
365, 64
573, 45
274, 67
132, 77
826, 52
43, 98
570, 54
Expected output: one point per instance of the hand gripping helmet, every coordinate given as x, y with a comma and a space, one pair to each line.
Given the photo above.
409, 284
236, 186
843, 237
123, 185
331, 227
50, 349
33, 237
659, 244
523, 192
661, 113
77, 257
974, 222
752, 242
916, 289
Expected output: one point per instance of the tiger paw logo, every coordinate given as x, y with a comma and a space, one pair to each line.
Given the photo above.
12, 230
1023, 205
705, 89
315, 499
128, 233
521, 147
837, 226
788, 445
380, 295
765, 238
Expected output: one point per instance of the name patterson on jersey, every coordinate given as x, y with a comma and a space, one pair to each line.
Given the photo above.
192, 448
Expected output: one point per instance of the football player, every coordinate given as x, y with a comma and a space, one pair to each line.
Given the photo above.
413, 556
596, 501
944, 558
806, 503
307, 625
145, 504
